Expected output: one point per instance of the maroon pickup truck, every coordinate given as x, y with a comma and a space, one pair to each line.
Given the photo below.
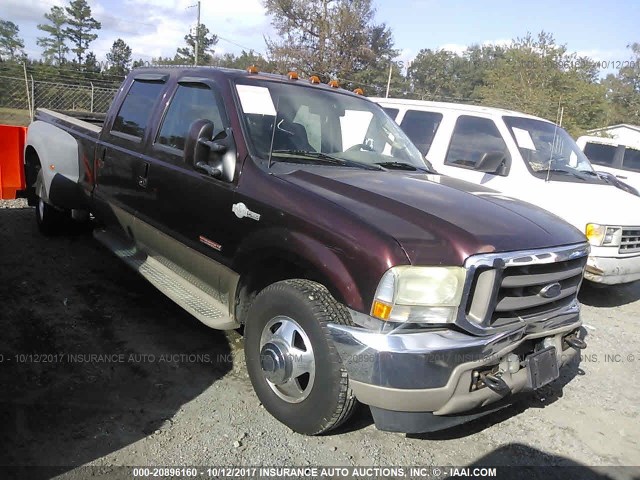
301, 213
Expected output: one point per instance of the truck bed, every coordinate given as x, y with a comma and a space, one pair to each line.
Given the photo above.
84, 123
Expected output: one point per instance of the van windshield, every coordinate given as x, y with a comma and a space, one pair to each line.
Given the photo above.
546, 147
295, 123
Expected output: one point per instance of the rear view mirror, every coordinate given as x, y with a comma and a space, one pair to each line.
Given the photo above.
493, 162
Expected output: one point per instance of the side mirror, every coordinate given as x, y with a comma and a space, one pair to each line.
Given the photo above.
493, 162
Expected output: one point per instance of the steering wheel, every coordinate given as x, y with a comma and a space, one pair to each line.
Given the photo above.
359, 146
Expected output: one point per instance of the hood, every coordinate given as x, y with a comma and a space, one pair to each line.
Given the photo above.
582, 203
437, 219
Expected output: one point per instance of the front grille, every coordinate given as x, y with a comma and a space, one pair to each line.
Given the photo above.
630, 242
524, 288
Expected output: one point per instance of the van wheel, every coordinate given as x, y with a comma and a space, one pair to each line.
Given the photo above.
293, 365
50, 220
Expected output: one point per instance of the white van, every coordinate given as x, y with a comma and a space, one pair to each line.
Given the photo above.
613, 156
533, 160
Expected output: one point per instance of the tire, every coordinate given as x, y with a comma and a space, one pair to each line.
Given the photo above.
293, 365
50, 220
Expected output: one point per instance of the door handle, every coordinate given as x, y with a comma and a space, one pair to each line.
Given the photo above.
142, 179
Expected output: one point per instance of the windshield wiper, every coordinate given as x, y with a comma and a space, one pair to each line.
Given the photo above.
566, 172
401, 166
324, 158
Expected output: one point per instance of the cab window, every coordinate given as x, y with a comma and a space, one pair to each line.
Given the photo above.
421, 127
631, 159
190, 103
600, 154
472, 138
136, 108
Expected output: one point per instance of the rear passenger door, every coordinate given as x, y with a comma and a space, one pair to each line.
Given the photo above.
122, 168
191, 208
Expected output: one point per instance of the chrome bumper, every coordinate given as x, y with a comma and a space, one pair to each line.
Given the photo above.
430, 371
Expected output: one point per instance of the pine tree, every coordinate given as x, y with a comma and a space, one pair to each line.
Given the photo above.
54, 44
119, 58
206, 42
81, 25
11, 45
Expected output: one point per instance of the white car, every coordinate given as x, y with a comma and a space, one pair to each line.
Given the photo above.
534, 160
613, 156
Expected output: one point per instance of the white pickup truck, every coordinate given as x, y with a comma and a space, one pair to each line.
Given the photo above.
531, 159
613, 156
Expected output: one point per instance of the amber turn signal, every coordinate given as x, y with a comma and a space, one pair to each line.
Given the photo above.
381, 310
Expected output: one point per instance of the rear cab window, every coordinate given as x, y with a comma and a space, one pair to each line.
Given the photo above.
631, 159
600, 154
136, 109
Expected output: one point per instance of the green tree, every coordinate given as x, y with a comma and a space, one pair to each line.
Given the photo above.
243, 61
119, 58
206, 42
537, 76
54, 44
81, 27
11, 45
328, 38
623, 90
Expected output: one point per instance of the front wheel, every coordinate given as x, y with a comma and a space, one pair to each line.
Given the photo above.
292, 362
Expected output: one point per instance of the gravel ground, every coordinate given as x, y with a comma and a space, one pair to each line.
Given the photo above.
169, 391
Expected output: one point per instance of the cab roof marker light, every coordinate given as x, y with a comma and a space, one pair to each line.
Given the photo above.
314, 79
252, 69
292, 75
358, 91
334, 84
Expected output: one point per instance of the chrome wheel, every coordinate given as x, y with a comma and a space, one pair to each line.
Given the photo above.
286, 359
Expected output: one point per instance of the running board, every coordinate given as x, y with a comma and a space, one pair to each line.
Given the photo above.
198, 303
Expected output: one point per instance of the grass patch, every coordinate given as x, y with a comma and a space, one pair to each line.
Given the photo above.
14, 116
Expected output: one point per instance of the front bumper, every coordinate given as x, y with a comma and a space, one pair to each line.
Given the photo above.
613, 270
431, 372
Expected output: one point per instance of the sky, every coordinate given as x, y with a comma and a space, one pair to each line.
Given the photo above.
156, 27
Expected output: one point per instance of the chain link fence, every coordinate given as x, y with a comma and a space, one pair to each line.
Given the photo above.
19, 98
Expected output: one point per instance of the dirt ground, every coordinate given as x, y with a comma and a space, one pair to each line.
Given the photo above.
98, 367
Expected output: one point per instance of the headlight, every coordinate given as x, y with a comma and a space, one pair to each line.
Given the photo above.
603, 235
419, 294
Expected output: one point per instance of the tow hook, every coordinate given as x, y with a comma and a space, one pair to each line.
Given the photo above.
576, 343
496, 383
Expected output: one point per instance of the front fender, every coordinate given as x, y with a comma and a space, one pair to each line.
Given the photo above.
303, 249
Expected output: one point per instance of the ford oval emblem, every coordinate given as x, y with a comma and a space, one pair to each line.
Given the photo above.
550, 291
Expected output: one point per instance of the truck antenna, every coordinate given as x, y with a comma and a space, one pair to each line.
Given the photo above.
273, 132
553, 144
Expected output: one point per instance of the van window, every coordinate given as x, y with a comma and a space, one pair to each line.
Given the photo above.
392, 112
600, 154
421, 127
631, 160
190, 103
136, 108
472, 138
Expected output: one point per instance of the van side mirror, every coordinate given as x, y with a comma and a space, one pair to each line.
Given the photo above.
493, 162
213, 156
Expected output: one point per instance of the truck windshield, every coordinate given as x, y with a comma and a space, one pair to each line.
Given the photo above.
305, 124
547, 147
